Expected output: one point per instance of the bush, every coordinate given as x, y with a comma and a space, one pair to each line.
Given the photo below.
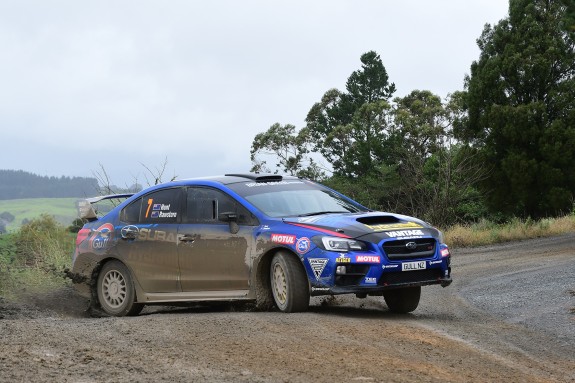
44, 243
33, 259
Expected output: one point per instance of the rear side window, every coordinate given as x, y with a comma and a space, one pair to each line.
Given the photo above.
163, 206
131, 213
204, 205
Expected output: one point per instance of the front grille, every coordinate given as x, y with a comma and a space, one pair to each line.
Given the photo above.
410, 277
354, 275
409, 248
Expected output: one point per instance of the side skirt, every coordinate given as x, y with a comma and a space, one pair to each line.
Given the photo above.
197, 296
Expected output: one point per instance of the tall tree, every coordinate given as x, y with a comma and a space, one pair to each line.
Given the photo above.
290, 149
436, 173
347, 128
521, 98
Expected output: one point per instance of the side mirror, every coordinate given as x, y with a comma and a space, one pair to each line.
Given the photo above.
232, 219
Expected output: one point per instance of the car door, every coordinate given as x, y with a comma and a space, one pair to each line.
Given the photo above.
148, 240
214, 254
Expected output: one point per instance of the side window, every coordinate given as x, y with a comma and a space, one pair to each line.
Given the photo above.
131, 213
162, 206
205, 205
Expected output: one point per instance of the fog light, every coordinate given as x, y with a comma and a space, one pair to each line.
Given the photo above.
340, 270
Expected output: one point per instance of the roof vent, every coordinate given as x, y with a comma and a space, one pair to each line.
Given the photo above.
259, 177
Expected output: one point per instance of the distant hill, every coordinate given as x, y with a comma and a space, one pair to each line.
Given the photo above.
18, 184
15, 212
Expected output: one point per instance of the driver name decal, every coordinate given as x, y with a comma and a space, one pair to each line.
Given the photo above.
159, 210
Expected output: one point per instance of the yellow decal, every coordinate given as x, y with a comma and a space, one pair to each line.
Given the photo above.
150, 202
394, 226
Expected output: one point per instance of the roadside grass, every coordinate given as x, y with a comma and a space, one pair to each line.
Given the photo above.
62, 209
33, 259
489, 233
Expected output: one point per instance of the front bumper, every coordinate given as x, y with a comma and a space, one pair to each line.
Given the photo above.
376, 290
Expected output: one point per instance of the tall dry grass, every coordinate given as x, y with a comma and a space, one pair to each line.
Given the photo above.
488, 233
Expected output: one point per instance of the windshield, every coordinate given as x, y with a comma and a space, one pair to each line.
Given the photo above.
295, 198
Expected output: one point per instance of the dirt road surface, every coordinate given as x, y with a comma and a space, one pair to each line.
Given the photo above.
506, 318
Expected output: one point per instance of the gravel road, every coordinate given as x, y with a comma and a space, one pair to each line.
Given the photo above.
507, 317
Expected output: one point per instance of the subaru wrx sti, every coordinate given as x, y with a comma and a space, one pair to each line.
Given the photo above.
269, 239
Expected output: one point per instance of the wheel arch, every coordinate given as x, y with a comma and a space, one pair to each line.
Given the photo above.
96, 272
261, 278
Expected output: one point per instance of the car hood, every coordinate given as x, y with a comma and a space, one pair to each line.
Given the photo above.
373, 227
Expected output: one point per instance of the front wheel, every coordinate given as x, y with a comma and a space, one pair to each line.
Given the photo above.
403, 300
116, 293
289, 283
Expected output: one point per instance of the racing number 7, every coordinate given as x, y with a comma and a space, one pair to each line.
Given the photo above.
150, 202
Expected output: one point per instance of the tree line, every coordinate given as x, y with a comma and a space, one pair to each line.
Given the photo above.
16, 184
503, 147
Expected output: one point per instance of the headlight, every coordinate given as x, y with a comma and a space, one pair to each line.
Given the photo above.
338, 244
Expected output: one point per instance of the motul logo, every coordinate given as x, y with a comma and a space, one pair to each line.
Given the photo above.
367, 258
284, 239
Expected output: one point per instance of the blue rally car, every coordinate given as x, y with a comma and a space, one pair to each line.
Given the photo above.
268, 239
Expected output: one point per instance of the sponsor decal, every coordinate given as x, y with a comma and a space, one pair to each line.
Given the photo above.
445, 252
395, 226
156, 235
343, 259
317, 265
284, 239
320, 289
260, 184
367, 258
389, 266
265, 227
434, 262
370, 280
302, 245
405, 233
103, 235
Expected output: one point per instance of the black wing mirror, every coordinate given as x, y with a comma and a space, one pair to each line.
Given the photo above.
232, 219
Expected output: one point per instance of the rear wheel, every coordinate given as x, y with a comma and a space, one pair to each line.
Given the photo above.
116, 293
403, 300
289, 283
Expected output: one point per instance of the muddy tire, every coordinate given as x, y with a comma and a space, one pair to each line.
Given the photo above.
116, 294
289, 283
403, 300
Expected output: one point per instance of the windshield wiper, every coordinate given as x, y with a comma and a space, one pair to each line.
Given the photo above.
320, 213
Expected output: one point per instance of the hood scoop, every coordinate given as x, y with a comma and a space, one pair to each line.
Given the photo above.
378, 220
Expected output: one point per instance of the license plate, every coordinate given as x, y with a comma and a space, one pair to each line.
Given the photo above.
408, 266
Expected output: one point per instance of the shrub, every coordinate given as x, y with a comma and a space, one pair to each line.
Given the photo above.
44, 243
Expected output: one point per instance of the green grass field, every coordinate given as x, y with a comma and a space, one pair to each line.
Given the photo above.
62, 209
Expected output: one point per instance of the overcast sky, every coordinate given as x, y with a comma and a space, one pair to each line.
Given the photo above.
125, 83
